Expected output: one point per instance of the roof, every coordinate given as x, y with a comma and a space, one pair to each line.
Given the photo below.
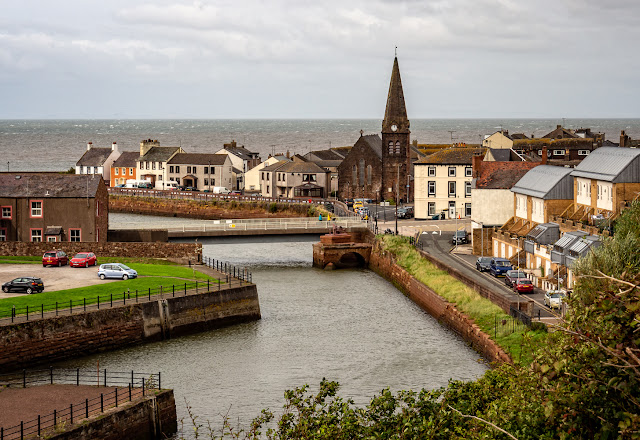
302, 167
396, 111
127, 159
541, 229
582, 244
451, 156
559, 133
241, 152
502, 175
276, 166
611, 164
546, 182
501, 154
48, 185
159, 154
515, 136
569, 238
326, 155
198, 159
94, 157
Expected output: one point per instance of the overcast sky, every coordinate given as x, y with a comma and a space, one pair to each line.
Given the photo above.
318, 59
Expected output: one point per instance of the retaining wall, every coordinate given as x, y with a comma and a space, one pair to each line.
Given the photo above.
152, 418
70, 336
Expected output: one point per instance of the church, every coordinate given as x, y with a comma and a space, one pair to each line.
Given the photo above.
379, 168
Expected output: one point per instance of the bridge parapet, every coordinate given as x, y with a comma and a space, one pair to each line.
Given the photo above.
340, 250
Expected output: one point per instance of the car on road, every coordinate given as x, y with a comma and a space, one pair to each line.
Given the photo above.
357, 205
236, 192
54, 258
83, 259
116, 270
512, 276
499, 267
460, 237
24, 284
553, 299
523, 285
483, 264
406, 212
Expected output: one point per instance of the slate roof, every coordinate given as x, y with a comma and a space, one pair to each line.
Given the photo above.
501, 154
158, 154
302, 167
326, 155
276, 166
559, 133
94, 157
374, 142
502, 175
515, 136
48, 185
396, 111
611, 164
451, 156
241, 152
546, 182
127, 159
197, 159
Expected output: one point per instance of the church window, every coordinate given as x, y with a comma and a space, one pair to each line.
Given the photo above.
390, 148
362, 172
355, 175
369, 173
397, 148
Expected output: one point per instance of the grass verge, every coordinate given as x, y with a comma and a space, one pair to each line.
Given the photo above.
520, 344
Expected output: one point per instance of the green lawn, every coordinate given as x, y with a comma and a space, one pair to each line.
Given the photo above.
20, 260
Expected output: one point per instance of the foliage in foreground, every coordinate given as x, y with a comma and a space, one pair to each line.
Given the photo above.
583, 384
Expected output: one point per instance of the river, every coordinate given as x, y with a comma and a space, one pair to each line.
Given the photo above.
350, 325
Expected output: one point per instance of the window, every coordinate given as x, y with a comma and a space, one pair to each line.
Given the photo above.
178, 180
153, 165
52, 239
267, 190
431, 171
263, 175
117, 171
467, 189
431, 185
3, 234
539, 152
171, 169
390, 148
206, 182
194, 170
131, 171
268, 174
452, 189
74, 235
206, 170
452, 171
355, 175
36, 208
188, 170
308, 177
6, 212
431, 208
558, 152
177, 168
583, 152
362, 172
467, 209
36, 235
278, 177
369, 173
212, 170
468, 171
397, 148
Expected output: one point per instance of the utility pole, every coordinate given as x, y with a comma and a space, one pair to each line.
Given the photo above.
397, 187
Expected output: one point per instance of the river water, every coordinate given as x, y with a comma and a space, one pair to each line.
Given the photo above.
350, 325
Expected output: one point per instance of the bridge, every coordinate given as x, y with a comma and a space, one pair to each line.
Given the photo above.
189, 228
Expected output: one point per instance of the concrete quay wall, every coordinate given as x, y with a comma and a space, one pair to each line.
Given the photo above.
53, 339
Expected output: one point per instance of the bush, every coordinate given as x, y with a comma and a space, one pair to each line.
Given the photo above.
273, 208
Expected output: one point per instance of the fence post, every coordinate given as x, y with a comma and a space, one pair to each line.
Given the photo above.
111, 297
28, 312
142, 379
132, 377
185, 289
208, 285
55, 416
71, 412
101, 402
51, 374
136, 295
98, 302
13, 313
105, 377
159, 387
71, 307
38, 424
173, 290
116, 397
22, 428
77, 377
149, 293
84, 302
196, 287
24, 378
86, 405
129, 392
42, 311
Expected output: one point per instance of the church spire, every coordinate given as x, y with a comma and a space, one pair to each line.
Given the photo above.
396, 113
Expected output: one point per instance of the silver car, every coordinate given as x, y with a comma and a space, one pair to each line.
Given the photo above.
116, 270
553, 299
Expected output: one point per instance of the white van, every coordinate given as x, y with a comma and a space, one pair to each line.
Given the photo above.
133, 183
169, 184
220, 190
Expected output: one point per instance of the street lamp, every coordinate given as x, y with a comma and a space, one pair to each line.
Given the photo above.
209, 174
162, 175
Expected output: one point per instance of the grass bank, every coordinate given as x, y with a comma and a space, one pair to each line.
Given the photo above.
520, 343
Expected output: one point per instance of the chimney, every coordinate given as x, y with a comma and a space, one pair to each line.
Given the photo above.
544, 155
623, 138
114, 146
288, 156
476, 165
558, 126
89, 145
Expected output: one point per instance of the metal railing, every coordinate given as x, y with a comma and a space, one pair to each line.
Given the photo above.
233, 277
128, 387
206, 196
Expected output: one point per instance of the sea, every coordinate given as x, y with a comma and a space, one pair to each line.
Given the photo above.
56, 145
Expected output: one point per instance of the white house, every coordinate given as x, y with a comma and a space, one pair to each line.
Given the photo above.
98, 161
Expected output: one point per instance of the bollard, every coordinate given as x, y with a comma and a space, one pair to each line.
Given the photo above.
42, 311
84, 302
101, 402
71, 412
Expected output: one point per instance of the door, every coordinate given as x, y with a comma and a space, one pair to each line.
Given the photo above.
452, 209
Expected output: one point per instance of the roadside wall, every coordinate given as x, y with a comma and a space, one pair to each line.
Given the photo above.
149, 419
192, 251
70, 336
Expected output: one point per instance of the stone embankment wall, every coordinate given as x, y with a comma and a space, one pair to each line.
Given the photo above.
149, 419
70, 336
183, 251
383, 263
206, 210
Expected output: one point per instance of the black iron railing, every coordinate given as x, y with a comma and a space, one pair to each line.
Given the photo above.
129, 386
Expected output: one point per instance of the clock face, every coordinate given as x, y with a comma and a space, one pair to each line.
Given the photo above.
394, 127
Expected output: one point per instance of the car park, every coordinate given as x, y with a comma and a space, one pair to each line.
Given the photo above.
523, 285
499, 267
512, 276
116, 270
483, 264
55, 258
460, 237
553, 299
24, 284
83, 259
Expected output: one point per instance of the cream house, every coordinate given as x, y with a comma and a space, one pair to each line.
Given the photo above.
152, 163
252, 177
443, 183
294, 179
200, 170
499, 139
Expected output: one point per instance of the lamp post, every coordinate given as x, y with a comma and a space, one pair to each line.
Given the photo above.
209, 176
162, 175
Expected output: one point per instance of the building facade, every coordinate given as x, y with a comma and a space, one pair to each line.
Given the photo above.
124, 168
200, 171
98, 161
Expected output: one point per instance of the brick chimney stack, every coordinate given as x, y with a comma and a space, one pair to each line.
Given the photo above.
545, 155
476, 165
89, 145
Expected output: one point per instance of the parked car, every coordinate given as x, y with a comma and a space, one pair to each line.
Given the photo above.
483, 264
512, 276
406, 212
499, 266
236, 192
553, 299
523, 285
460, 237
24, 284
357, 205
83, 259
54, 258
116, 270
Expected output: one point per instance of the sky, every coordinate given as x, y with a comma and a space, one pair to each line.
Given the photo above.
106, 59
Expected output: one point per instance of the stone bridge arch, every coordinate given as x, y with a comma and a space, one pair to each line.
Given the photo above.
340, 251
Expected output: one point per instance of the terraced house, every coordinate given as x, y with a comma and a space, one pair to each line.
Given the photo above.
98, 161
294, 179
200, 171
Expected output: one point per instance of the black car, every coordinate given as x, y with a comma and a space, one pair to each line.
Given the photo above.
460, 237
406, 212
24, 284
483, 264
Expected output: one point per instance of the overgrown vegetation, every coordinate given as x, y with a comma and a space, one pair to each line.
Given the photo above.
584, 382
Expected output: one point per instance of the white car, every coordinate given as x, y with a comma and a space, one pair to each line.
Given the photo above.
553, 299
116, 270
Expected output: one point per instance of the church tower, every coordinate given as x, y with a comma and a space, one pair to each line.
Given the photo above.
396, 151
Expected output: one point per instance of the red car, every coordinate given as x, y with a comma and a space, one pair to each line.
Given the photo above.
54, 258
84, 259
523, 285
